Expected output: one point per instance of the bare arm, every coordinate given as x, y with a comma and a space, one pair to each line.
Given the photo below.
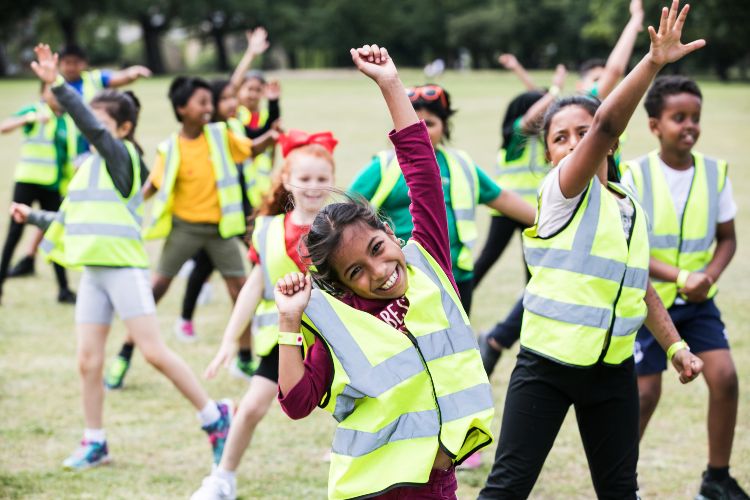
12, 123
618, 59
533, 117
726, 246
510, 62
613, 115
257, 43
128, 75
515, 207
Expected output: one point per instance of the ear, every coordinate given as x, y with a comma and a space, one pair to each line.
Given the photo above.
124, 129
653, 126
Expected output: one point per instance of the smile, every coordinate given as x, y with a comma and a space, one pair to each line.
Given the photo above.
390, 281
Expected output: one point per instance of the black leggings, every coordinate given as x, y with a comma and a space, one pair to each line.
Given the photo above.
48, 200
501, 231
539, 395
465, 292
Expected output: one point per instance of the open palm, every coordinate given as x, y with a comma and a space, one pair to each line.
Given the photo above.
45, 66
666, 46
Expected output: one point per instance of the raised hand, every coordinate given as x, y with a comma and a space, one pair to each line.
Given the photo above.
45, 66
374, 62
636, 10
272, 91
136, 72
558, 79
292, 293
666, 46
687, 364
508, 61
257, 40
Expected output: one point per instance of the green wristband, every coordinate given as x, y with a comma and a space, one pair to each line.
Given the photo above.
680, 344
682, 278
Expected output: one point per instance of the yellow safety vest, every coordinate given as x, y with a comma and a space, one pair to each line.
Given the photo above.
269, 241
228, 187
525, 174
96, 225
585, 300
91, 84
400, 397
687, 243
245, 115
256, 171
464, 190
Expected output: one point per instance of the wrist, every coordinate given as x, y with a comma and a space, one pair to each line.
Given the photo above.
390, 83
290, 322
290, 338
554, 90
676, 346
682, 278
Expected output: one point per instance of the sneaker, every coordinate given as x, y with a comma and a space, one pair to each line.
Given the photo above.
473, 462
726, 489
215, 488
66, 296
219, 430
24, 267
89, 454
490, 355
244, 369
184, 330
115, 376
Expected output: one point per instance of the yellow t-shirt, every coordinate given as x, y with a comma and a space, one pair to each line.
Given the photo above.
195, 196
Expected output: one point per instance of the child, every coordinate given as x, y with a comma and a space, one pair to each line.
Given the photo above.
303, 185
43, 171
391, 332
465, 187
588, 295
684, 267
199, 200
99, 228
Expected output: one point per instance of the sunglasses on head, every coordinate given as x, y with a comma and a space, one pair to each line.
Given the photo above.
427, 93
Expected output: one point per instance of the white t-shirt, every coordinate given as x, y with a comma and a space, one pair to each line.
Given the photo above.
679, 182
557, 210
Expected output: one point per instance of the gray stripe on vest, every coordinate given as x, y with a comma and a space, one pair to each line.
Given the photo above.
94, 173
712, 184
595, 317
466, 402
636, 278
263, 253
413, 425
625, 326
214, 130
39, 161
444, 342
464, 214
662, 241
101, 229
46, 245
94, 194
266, 319
227, 182
345, 402
647, 196
524, 192
37, 140
231, 208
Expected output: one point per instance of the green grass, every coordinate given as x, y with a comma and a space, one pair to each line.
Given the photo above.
155, 440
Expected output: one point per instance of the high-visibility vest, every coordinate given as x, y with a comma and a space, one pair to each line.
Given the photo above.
687, 243
270, 243
39, 163
91, 84
245, 116
256, 171
228, 187
397, 397
464, 190
585, 300
96, 225
524, 174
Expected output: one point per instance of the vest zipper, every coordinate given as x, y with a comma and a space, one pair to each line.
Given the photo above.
608, 338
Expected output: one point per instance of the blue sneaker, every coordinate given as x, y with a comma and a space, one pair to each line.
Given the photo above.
89, 454
219, 430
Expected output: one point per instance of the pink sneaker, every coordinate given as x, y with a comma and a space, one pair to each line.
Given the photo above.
184, 330
473, 462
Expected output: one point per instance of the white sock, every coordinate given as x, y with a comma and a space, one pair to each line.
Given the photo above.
209, 414
94, 435
229, 476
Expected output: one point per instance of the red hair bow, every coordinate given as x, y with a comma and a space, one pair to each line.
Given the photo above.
298, 138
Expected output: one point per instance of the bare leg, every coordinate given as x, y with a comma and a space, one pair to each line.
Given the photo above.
723, 390
234, 285
90, 351
34, 243
649, 392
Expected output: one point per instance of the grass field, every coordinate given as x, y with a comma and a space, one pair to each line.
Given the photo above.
157, 446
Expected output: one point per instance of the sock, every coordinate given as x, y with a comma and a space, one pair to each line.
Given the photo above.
246, 355
209, 414
717, 473
94, 435
227, 475
126, 352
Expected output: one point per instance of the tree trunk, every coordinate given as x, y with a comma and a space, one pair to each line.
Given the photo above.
222, 62
3, 61
151, 44
68, 27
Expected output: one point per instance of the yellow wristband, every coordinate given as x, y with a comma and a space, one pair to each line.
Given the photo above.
680, 344
682, 278
290, 338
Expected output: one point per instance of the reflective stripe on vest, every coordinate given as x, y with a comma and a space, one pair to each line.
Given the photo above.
38, 162
525, 174
228, 187
686, 243
464, 191
96, 226
270, 243
91, 84
256, 171
584, 302
399, 397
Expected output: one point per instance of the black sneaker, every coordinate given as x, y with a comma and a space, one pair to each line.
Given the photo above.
24, 267
66, 296
726, 489
490, 355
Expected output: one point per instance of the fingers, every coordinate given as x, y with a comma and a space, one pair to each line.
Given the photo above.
292, 283
680, 22
673, 10
693, 46
663, 21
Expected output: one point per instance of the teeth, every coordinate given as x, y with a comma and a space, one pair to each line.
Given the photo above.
391, 281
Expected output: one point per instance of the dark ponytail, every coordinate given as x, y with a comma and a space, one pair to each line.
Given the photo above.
121, 107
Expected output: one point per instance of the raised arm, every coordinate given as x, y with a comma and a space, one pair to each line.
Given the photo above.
618, 59
533, 117
257, 43
509, 61
14, 122
128, 75
613, 115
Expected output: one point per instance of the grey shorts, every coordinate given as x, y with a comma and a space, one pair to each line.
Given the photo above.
187, 238
104, 290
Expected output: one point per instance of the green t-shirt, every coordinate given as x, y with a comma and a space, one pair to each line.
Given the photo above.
517, 142
396, 206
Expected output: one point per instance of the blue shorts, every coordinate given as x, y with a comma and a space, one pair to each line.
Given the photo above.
699, 324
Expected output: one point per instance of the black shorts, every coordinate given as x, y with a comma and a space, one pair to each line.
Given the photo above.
269, 365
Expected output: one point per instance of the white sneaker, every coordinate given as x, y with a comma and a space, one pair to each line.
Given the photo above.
215, 488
